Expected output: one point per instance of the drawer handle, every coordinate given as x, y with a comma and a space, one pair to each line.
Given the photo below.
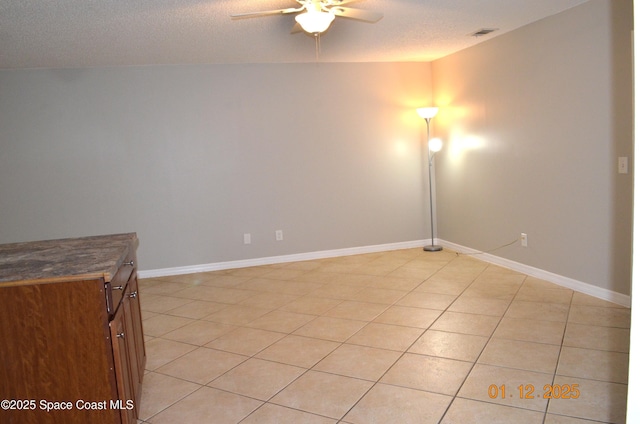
130, 263
133, 295
118, 287
120, 335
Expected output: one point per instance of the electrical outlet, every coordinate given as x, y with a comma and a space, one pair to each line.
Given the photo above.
524, 240
279, 235
247, 238
623, 165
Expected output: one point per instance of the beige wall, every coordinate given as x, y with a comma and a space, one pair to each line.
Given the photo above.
533, 123
193, 157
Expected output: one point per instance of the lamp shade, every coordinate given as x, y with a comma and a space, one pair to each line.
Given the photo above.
315, 22
427, 112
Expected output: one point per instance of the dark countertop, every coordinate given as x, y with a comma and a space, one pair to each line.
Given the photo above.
71, 259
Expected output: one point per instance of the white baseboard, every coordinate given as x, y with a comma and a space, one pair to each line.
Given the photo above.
324, 254
570, 283
560, 280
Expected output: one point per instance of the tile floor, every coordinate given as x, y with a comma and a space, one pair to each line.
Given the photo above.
403, 336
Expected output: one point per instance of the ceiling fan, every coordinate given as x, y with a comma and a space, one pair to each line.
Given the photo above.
317, 15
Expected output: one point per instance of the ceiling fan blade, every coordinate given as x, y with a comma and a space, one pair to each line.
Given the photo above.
359, 14
267, 12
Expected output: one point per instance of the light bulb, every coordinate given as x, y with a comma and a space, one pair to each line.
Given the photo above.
435, 145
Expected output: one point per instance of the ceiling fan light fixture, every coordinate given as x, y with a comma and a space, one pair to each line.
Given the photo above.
315, 22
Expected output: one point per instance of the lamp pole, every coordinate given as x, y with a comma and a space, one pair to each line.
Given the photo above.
427, 114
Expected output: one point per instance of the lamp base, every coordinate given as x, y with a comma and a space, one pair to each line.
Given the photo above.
432, 248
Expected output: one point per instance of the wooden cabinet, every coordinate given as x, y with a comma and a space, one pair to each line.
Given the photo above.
71, 338
128, 351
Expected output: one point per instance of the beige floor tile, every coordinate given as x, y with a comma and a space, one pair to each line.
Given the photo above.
223, 280
530, 294
284, 274
276, 414
311, 305
521, 355
439, 375
594, 337
443, 286
231, 295
472, 411
600, 401
383, 296
216, 294
356, 310
537, 284
538, 311
161, 391
594, 364
586, 300
146, 314
198, 332
386, 336
604, 317
435, 301
260, 285
379, 267
491, 290
500, 275
162, 351
308, 265
363, 362
408, 316
395, 281
337, 291
328, 328
237, 314
457, 322
151, 281
482, 377
323, 394
481, 306
561, 419
194, 279
245, 341
197, 309
269, 300
300, 288
257, 378
162, 324
201, 365
390, 404
160, 304
528, 330
253, 271
464, 347
300, 351
284, 322
318, 276
208, 405
164, 288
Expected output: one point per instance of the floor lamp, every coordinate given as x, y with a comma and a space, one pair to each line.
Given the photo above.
434, 146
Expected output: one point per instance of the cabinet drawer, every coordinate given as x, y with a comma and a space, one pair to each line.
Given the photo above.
115, 288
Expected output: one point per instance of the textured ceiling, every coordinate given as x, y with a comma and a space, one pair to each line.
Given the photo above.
90, 33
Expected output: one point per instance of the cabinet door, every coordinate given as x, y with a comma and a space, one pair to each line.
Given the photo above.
121, 343
136, 317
